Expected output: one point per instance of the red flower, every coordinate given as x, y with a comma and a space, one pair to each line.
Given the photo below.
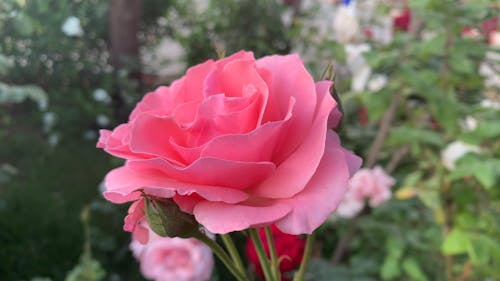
290, 249
402, 21
488, 27
363, 115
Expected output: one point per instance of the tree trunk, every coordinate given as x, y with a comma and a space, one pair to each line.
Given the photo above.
125, 16
124, 22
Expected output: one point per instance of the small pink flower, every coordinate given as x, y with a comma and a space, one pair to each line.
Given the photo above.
168, 259
373, 185
350, 206
236, 142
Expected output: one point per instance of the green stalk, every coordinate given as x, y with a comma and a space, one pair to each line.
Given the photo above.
299, 275
222, 256
259, 247
275, 269
233, 252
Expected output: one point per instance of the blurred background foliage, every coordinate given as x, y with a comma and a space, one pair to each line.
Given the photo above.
59, 86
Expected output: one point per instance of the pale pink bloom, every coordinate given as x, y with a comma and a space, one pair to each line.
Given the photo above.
173, 259
495, 39
236, 142
381, 190
373, 185
350, 206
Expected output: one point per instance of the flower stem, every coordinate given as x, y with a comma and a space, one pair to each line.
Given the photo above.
299, 275
259, 247
223, 257
233, 252
275, 264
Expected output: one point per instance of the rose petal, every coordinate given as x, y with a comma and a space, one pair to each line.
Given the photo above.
122, 185
311, 207
289, 79
294, 173
222, 218
116, 143
323, 90
220, 115
210, 171
160, 102
151, 134
254, 146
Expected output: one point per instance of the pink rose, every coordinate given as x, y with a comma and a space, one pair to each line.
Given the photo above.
350, 206
236, 142
166, 259
372, 184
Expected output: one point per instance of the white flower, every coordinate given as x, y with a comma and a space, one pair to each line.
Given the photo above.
455, 151
166, 59
102, 120
377, 82
357, 65
72, 27
487, 103
101, 95
346, 24
53, 139
43, 104
49, 119
468, 124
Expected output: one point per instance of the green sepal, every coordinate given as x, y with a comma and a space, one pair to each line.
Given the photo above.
167, 220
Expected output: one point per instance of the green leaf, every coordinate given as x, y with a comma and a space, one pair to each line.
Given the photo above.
413, 269
24, 25
482, 249
483, 170
154, 219
88, 269
390, 268
456, 242
406, 135
460, 63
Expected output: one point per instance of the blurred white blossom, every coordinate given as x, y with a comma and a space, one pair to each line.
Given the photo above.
72, 27
102, 120
53, 139
492, 104
165, 59
100, 95
468, 124
454, 151
358, 66
377, 82
49, 119
346, 25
